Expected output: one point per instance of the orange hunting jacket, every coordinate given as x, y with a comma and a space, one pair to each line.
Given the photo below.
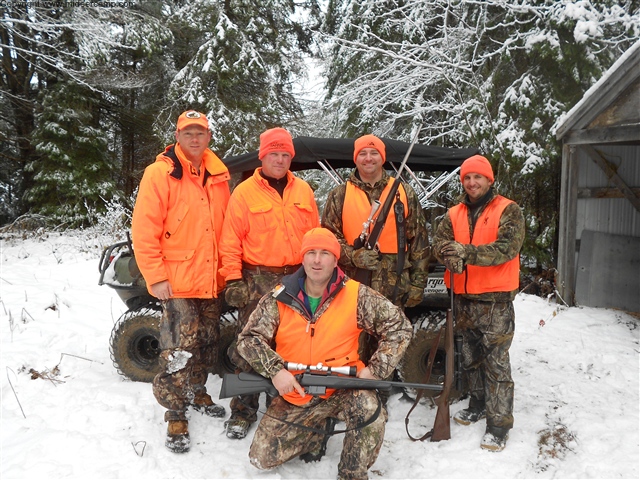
177, 222
356, 210
261, 228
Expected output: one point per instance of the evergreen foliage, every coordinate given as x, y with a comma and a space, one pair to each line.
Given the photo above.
495, 74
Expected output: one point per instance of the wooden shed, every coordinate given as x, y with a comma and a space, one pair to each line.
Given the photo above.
599, 237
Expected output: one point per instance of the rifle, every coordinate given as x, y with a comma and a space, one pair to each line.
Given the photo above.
315, 379
370, 241
441, 426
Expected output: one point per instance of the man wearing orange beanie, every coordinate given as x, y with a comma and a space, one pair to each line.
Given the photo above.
479, 240
320, 306
261, 240
347, 209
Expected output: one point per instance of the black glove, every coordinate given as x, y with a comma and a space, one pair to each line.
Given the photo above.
237, 293
454, 263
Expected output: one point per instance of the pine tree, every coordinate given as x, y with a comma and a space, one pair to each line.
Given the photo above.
236, 61
72, 175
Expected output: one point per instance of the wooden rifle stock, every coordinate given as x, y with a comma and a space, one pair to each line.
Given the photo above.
442, 424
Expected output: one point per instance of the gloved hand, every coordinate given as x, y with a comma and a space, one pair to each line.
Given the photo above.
366, 259
454, 248
237, 293
454, 263
414, 296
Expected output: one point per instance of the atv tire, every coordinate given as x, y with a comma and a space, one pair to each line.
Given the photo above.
135, 344
413, 367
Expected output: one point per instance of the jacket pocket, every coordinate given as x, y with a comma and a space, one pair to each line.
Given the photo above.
261, 218
176, 217
303, 214
180, 268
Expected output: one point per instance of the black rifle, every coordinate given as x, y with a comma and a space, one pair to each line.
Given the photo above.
234, 385
369, 242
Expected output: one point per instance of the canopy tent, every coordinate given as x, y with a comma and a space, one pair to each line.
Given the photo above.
338, 152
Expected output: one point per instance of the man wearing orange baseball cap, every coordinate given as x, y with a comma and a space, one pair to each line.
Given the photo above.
348, 207
261, 240
479, 240
176, 227
321, 307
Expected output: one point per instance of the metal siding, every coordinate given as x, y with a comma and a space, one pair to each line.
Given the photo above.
609, 215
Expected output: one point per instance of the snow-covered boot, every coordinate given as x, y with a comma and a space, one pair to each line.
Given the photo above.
495, 439
203, 403
178, 440
470, 415
237, 427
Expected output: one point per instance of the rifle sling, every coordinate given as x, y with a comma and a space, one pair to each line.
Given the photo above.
398, 213
432, 356
320, 431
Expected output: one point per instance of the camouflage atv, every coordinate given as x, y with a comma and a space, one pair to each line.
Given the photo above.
135, 337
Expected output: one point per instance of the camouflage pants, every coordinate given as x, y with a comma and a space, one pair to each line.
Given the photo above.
189, 336
246, 406
276, 442
487, 330
384, 281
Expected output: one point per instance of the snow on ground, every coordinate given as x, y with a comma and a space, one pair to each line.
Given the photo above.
66, 413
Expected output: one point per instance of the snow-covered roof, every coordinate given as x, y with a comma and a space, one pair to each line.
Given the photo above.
614, 81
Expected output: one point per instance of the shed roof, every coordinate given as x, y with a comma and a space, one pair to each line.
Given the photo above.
622, 78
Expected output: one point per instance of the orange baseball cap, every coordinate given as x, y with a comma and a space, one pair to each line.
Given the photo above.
191, 117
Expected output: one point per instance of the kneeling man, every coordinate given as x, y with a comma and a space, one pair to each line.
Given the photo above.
316, 315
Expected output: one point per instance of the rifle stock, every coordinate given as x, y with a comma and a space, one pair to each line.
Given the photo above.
245, 384
442, 424
314, 383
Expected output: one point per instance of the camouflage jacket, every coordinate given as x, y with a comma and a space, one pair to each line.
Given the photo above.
375, 315
418, 251
511, 232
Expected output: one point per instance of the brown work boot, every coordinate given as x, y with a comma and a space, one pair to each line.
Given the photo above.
178, 440
202, 403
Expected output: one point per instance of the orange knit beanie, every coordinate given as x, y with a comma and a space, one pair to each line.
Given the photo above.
320, 239
275, 140
369, 141
476, 164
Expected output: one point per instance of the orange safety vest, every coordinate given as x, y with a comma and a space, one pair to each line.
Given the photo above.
332, 340
476, 279
356, 210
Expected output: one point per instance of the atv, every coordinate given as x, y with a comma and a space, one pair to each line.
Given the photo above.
135, 338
